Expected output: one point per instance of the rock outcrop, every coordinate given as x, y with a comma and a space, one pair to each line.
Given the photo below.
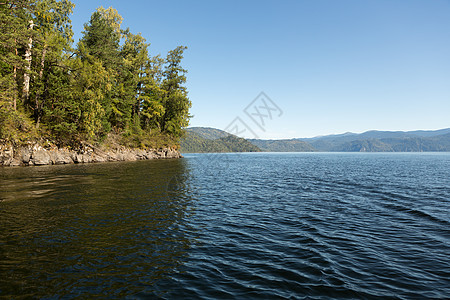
36, 155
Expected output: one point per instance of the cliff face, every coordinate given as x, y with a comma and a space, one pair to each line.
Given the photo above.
36, 154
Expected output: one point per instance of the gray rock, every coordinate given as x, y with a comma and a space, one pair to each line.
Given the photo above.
15, 162
37, 155
161, 154
6, 154
149, 155
99, 158
62, 157
41, 157
171, 153
86, 158
129, 156
25, 155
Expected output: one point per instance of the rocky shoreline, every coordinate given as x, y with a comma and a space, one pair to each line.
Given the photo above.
37, 155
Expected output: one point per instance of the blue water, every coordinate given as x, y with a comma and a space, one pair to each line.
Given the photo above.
261, 225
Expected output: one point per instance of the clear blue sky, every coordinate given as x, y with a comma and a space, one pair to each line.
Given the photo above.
331, 66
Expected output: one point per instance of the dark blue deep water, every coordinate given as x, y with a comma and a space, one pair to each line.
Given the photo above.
259, 226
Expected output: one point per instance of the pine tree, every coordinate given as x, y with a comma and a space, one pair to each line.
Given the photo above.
175, 101
14, 18
52, 50
131, 80
153, 95
100, 45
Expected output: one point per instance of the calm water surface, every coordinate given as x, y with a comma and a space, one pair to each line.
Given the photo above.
229, 226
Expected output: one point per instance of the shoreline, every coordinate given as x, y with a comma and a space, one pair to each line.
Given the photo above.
38, 155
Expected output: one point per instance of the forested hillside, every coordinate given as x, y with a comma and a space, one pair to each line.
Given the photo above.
108, 84
211, 140
291, 145
208, 132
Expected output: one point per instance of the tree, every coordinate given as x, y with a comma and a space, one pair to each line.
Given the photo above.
131, 80
112, 17
14, 18
91, 85
14, 36
100, 45
52, 50
175, 101
27, 65
153, 95
101, 41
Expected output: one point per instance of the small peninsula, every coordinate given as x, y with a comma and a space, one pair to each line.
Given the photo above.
104, 99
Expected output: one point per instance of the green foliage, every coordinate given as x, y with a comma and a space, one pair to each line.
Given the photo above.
13, 38
136, 137
51, 44
175, 99
16, 127
91, 86
102, 87
101, 42
133, 78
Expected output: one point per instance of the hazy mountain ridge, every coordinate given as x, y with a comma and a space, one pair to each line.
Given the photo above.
378, 134
204, 139
385, 141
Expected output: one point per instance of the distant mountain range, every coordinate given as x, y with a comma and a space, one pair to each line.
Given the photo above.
204, 139
383, 141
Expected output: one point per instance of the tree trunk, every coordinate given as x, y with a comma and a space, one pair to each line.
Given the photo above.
26, 74
37, 108
15, 77
138, 98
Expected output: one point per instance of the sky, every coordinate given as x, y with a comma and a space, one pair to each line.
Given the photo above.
324, 66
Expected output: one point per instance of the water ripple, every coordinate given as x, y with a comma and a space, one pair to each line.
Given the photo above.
288, 226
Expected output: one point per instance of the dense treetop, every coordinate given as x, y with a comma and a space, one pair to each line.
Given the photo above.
107, 84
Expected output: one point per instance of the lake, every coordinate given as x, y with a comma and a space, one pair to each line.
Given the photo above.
260, 225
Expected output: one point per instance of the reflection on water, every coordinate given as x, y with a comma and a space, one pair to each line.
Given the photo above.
259, 225
100, 229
